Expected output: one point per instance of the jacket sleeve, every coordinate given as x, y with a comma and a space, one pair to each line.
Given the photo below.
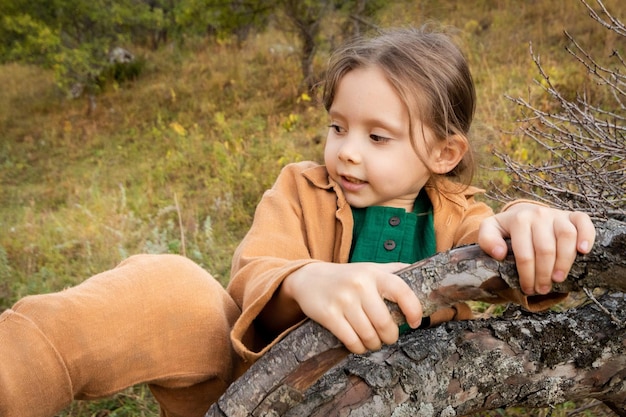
457, 215
474, 214
275, 246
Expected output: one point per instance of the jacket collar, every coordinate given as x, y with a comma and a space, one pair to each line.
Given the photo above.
318, 176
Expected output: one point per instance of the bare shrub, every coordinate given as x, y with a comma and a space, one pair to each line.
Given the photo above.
583, 137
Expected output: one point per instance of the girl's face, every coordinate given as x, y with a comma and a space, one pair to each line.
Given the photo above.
368, 149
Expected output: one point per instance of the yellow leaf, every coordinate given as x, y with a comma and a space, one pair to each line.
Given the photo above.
524, 155
178, 128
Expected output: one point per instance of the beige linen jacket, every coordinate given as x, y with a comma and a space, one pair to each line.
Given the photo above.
305, 218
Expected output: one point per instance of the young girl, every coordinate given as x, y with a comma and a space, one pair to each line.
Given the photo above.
324, 244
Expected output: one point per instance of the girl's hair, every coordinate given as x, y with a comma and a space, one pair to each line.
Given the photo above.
429, 72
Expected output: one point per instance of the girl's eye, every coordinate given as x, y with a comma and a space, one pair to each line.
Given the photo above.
379, 139
335, 128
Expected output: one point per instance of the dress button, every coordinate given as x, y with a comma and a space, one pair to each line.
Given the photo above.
394, 220
389, 244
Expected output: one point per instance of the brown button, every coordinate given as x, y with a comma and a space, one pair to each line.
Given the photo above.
389, 244
394, 220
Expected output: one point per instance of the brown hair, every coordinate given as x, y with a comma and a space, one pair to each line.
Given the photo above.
429, 72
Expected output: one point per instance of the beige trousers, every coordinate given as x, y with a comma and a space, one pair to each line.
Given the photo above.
156, 319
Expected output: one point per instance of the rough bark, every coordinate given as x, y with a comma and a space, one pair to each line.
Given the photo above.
531, 360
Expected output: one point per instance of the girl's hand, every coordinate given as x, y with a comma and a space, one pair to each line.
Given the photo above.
347, 299
545, 242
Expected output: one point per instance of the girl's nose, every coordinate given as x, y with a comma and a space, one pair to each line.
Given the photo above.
349, 151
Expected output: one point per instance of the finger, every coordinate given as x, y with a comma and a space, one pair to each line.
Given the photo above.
566, 242
586, 231
491, 238
394, 289
522, 245
380, 318
364, 329
544, 242
342, 329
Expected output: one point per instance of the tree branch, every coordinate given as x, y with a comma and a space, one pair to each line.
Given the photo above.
460, 367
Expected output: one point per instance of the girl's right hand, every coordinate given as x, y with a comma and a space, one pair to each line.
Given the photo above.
348, 299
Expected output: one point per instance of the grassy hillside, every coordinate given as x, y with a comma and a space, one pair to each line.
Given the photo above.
177, 160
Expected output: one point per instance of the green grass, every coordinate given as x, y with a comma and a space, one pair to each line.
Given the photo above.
202, 133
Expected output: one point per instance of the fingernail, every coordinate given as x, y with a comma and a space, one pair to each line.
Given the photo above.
499, 252
558, 276
584, 246
544, 289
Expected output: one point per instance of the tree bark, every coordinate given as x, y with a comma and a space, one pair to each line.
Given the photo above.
531, 360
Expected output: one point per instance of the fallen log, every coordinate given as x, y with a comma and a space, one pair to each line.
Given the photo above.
459, 367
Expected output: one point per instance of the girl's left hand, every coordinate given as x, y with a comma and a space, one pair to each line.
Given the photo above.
545, 242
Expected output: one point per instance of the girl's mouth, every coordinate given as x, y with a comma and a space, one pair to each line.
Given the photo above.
352, 180
351, 183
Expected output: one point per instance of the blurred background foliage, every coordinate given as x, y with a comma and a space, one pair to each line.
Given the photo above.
170, 149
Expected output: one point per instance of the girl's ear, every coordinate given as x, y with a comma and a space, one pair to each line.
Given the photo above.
447, 154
